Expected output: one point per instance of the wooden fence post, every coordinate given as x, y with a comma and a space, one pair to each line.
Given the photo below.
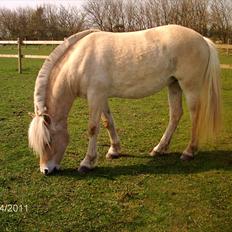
228, 49
19, 56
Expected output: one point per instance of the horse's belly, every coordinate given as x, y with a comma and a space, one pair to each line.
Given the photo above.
138, 87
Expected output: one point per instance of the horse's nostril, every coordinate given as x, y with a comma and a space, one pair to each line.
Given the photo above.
46, 171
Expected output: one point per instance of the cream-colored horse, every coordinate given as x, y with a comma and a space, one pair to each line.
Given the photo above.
98, 65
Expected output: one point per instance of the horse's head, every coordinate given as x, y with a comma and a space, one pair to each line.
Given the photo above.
49, 140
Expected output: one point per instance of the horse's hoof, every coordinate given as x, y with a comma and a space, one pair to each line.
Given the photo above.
153, 153
84, 170
157, 153
112, 155
186, 157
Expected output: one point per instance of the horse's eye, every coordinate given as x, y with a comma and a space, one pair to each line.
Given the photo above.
47, 120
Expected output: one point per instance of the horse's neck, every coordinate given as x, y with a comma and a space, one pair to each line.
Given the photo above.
59, 100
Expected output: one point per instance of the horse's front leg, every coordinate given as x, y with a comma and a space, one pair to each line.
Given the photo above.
95, 110
108, 122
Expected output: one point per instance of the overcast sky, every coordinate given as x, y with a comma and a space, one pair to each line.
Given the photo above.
12, 4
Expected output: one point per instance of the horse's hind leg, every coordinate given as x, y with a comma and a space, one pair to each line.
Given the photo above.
192, 102
175, 113
95, 102
108, 122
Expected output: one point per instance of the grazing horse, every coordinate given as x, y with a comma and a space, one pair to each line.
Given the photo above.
98, 65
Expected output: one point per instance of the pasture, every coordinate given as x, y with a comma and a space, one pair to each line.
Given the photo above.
133, 193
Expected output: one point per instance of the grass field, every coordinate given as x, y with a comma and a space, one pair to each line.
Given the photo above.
134, 193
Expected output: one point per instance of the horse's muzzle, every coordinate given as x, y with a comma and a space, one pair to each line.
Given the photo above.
49, 168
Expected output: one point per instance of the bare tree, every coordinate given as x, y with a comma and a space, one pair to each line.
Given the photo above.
14, 24
95, 11
44, 22
221, 19
50, 22
38, 25
69, 21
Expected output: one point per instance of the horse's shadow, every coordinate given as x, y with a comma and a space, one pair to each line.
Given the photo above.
168, 164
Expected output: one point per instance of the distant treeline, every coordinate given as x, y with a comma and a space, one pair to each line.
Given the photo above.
211, 18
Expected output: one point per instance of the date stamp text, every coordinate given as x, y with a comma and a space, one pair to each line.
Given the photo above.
13, 208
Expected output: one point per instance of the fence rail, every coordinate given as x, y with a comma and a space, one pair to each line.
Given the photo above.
224, 46
37, 42
20, 56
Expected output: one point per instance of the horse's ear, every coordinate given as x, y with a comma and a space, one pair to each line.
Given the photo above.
47, 119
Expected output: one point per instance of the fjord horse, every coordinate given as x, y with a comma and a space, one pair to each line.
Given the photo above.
99, 65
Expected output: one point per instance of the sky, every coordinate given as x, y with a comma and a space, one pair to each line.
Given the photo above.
12, 4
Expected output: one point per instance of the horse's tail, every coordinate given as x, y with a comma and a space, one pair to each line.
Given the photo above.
209, 108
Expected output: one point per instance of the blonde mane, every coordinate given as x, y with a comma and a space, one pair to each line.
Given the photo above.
45, 71
38, 133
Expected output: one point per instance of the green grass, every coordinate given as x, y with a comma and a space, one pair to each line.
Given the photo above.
133, 193
27, 49
225, 59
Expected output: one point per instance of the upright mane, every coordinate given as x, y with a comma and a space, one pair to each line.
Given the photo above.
38, 133
45, 71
